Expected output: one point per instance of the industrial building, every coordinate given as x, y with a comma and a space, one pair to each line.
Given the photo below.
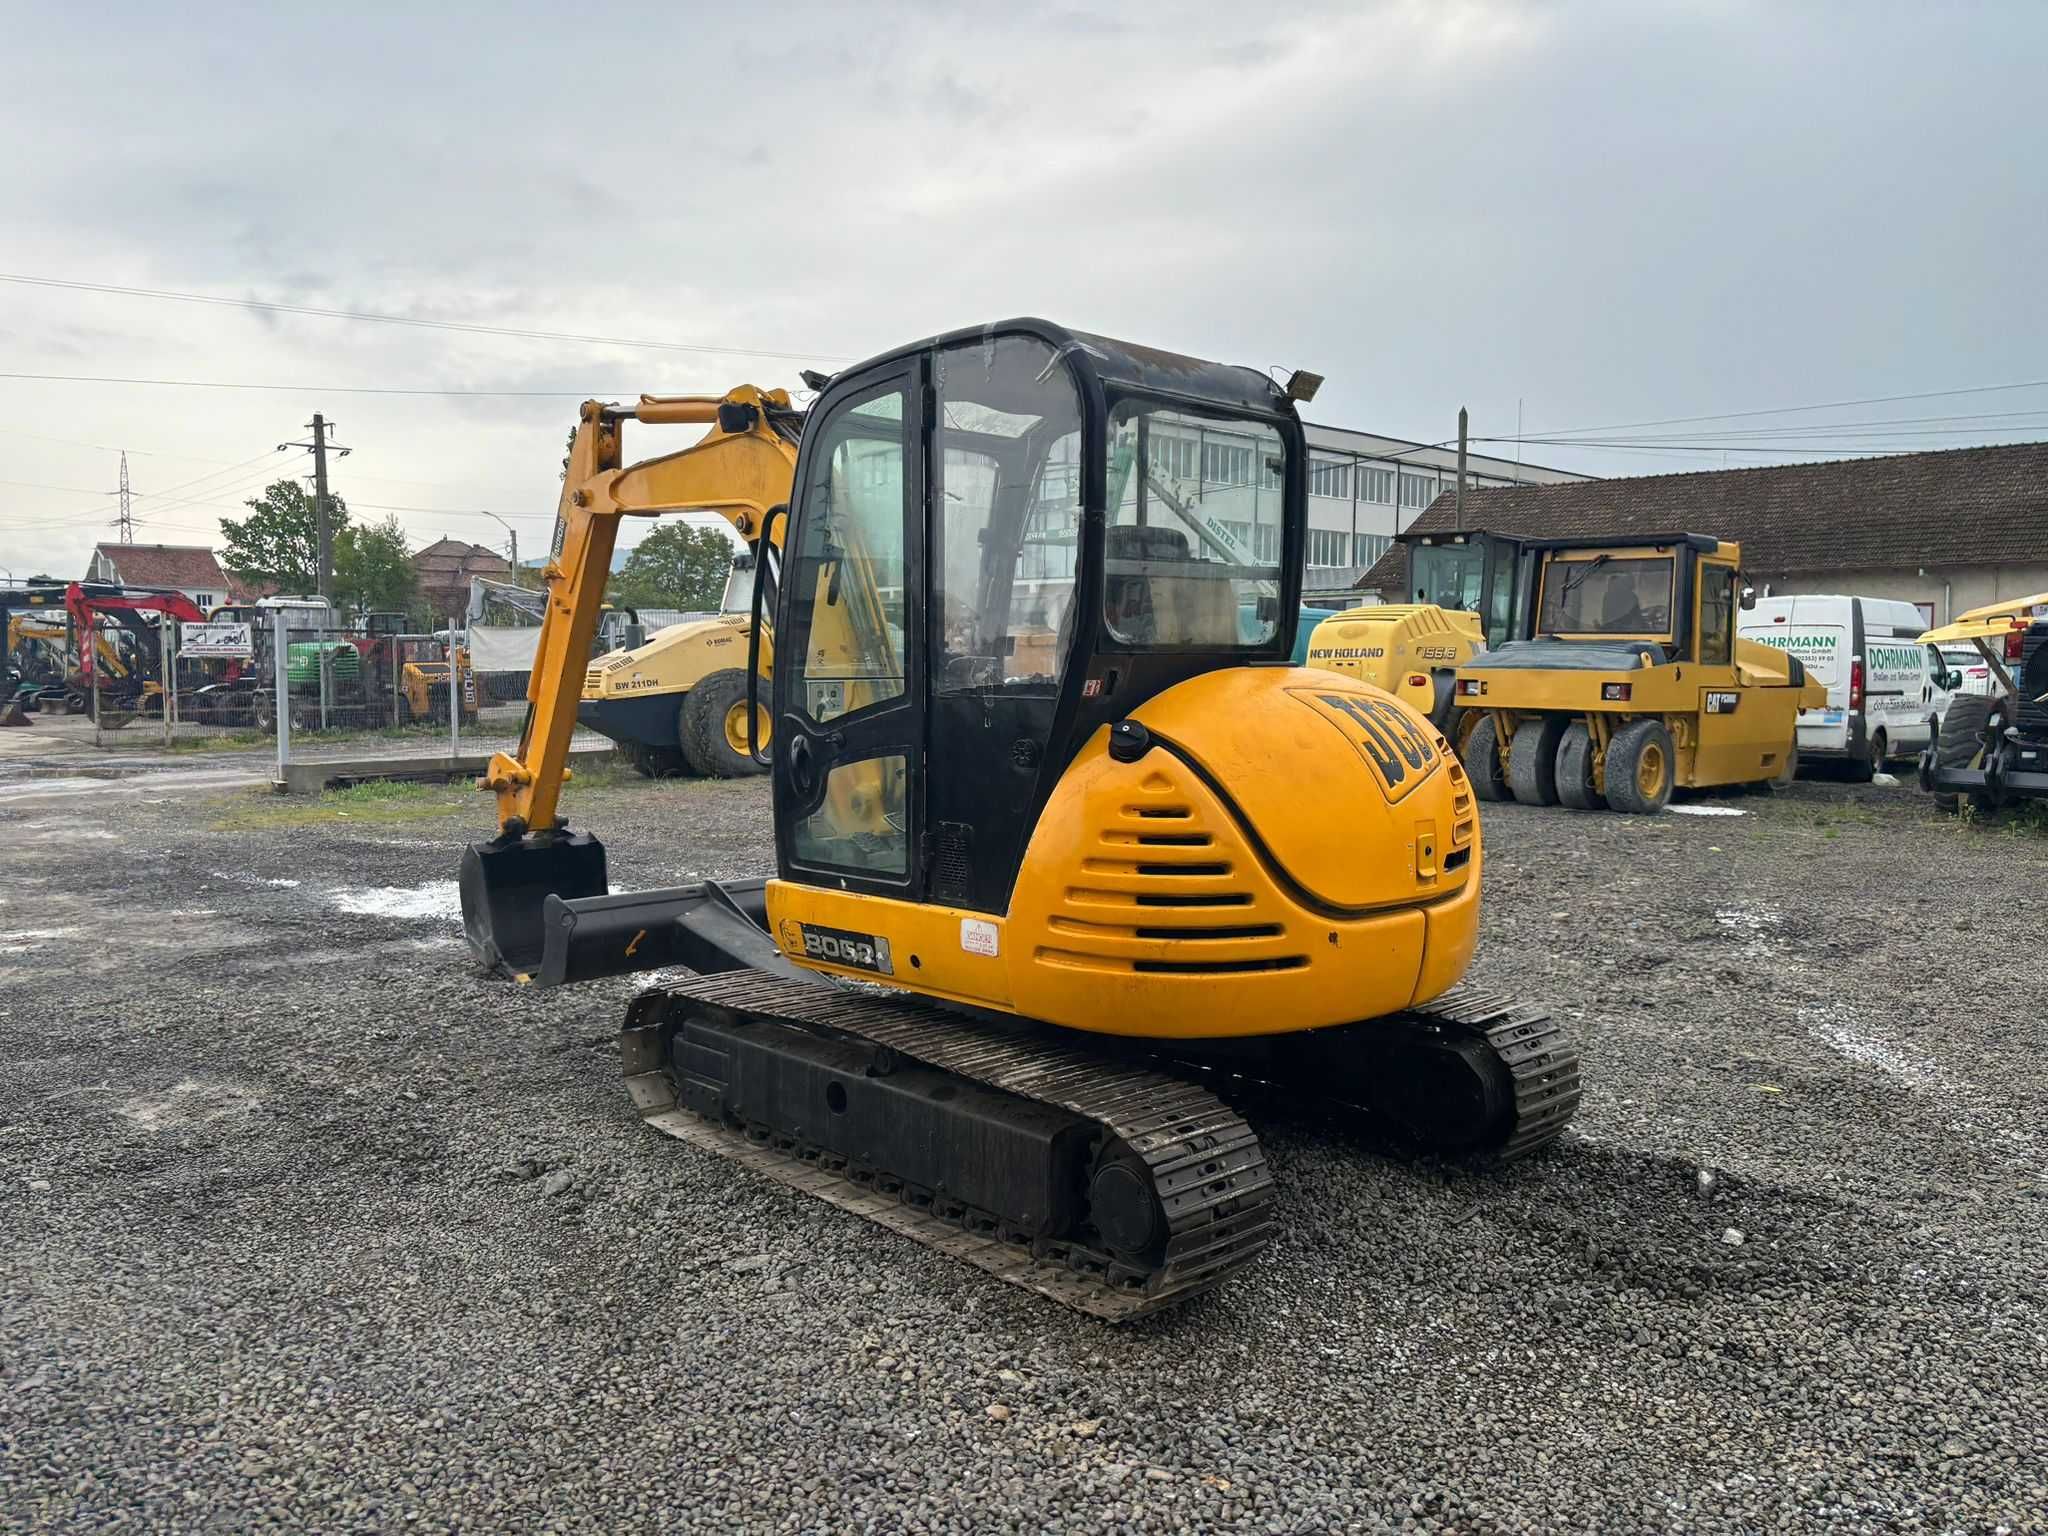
1364, 488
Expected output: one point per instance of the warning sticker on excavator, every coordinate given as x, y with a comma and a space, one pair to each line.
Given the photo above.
1386, 735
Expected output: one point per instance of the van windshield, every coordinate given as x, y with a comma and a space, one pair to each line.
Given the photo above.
1600, 595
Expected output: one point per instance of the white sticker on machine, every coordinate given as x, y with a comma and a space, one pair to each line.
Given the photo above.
978, 937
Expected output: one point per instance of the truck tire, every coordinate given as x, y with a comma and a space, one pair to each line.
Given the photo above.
1482, 761
1575, 786
1641, 768
1532, 760
1875, 755
713, 727
1961, 742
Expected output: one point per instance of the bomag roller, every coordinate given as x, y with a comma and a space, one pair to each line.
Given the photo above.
1628, 680
1060, 863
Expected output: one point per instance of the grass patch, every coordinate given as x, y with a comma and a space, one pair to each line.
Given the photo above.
383, 801
375, 804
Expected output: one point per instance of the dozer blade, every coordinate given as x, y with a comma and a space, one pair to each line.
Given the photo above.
505, 885
709, 927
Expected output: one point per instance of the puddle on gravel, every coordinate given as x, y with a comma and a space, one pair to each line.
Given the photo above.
435, 899
21, 940
189, 1101
1757, 924
283, 885
1704, 810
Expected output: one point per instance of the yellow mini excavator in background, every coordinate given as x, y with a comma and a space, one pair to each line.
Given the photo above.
1066, 846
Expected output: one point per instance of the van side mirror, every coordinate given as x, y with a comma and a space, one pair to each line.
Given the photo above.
1952, 682
1748, 599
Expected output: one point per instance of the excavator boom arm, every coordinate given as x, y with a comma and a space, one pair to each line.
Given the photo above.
742, 467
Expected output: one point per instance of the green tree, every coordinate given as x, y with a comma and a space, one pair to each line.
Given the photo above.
676, 566
373, 571
276, 543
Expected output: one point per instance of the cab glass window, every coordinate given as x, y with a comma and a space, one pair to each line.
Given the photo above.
1449, 575
1598, 595
848, 573
1008, 515
1193, 544
1717, 615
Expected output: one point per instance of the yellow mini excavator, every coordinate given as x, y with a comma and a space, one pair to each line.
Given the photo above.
1057, 865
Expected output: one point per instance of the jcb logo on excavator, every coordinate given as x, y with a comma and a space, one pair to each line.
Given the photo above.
1385, 736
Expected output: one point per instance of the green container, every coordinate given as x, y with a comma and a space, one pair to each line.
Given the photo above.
302, 661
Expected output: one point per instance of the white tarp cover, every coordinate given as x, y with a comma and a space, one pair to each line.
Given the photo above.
503, 647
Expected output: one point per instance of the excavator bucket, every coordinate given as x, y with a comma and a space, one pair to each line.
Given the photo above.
505, 885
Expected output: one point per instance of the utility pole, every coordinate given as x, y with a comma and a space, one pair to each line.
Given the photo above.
1458, 505
323, 531
323, 535
126, 521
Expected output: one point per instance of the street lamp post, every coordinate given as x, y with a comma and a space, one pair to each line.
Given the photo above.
514, 534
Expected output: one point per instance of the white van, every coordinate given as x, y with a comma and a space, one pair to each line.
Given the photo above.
1886, 691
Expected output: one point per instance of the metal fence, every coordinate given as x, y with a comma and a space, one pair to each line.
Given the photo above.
334, 686
293, 680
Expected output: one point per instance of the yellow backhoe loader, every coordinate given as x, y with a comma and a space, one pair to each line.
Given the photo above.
1627, 680
1056, 865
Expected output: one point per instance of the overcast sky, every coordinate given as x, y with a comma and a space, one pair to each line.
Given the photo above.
1610, 214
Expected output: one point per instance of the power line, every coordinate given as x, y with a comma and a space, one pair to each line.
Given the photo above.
324, 389
436, 325
1782, 410
1635, 446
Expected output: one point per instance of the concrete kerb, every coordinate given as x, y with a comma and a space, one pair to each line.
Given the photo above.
334, 773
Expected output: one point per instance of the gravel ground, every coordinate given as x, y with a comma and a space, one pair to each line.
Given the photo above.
308, 1226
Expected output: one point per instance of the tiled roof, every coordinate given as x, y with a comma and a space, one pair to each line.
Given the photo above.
165, 565
450, 562
1960, 506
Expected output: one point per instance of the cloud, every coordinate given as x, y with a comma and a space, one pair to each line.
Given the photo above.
1597, 212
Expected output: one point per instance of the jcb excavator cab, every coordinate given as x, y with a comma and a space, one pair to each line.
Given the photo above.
935, 680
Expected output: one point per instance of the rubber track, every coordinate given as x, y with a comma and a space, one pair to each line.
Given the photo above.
1544, 1065
1207, 1167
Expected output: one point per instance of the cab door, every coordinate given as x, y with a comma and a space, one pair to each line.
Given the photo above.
1734, 732
849, 684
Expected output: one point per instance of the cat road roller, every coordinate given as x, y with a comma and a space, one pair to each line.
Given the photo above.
1627, 680
1067, 851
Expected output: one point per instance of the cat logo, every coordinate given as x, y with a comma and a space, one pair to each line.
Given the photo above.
1722, 703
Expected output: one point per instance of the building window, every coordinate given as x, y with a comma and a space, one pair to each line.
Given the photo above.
1269, 473
202, 599
1326, 546
1376, 485
1329, 477
1172, 456
1370, 546
1226, 463
1417, 490
1266, 543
